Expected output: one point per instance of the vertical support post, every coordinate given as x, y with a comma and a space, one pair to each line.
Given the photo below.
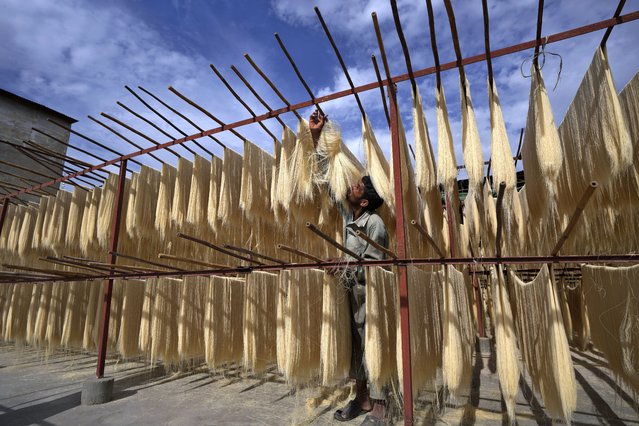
3, 213
401, 254
108, 289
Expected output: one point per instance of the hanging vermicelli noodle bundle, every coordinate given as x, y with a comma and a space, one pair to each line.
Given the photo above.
115, 314
56, 315
257, 171
335, 341
377, 166
6, 229
16, 320
303, 165
76, 214
504, 171
45, 244
144, 337
260, 310
446, 162
165, 200
164, 322
594, 135
56, 227
380, 331
303, 326
223, 321
284, 186
36, 243
229, 190
458, 333
471, 144
543, 343
105, 210
282, 314
626, 185
613, 316
145, 199
503, 167
214, 191
181, 192
88, 240
541, 150
426, 175
191, 320
73, 323
336, 163
14, 230
93, 312
25, 237
505, 342
199, 195
277, 153
425, 328
42, 317
132, 300
130, 219
33, 312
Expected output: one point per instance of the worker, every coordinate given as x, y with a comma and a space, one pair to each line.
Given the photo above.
362, 201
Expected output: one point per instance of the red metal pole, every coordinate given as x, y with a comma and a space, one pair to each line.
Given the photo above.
108, 290
401, 253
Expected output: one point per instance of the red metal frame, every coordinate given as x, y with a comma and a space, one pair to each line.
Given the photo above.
607, 23
401, 262
108, 289
402, 273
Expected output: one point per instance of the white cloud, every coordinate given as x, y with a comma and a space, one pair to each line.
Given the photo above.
76, 57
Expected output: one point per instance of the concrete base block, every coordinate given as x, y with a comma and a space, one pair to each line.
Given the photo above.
483, 345
97, 391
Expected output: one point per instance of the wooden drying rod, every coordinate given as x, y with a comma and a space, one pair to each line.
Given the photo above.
299, 253
218, 248
193, 261
330, 240
429, 239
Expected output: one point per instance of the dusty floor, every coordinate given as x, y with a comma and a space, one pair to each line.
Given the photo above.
46, 391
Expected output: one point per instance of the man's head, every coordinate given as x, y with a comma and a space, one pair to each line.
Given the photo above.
363, 194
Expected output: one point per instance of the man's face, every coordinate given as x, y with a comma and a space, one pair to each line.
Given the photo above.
356, 192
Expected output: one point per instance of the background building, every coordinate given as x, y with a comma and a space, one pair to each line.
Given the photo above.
18, 118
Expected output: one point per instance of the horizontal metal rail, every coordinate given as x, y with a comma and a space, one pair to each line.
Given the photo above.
510, 260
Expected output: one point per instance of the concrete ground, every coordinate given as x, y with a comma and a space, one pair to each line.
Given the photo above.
46, 391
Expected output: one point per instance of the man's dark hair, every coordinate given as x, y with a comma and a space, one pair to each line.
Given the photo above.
370, 194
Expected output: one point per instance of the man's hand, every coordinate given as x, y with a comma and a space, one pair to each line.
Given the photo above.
316, 122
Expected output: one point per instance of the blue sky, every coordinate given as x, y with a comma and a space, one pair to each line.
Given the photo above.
76, 56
